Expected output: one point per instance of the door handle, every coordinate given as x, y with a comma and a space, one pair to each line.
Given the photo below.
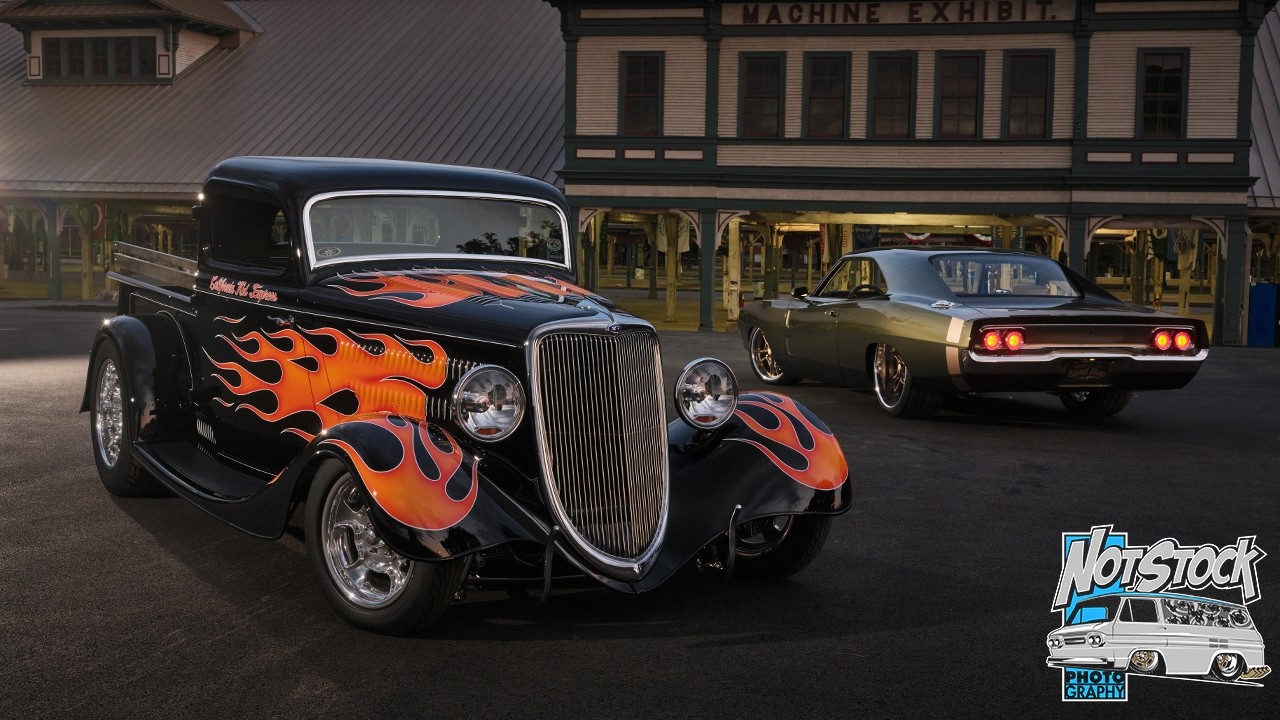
281, 322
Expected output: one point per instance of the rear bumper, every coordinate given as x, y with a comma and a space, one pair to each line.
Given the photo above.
1077, 370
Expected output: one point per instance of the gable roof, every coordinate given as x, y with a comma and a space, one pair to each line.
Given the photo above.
430, 80
213, 12
1264, 153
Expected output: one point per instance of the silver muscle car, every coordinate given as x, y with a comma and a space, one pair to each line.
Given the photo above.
924, 323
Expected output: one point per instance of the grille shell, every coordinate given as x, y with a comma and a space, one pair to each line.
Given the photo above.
601, 425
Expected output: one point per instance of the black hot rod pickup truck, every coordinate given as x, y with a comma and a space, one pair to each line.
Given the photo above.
399, 349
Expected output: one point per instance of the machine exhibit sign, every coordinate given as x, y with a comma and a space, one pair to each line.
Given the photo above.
887, 13
1125, 611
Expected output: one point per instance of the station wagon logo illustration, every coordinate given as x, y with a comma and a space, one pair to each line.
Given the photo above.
1127, 610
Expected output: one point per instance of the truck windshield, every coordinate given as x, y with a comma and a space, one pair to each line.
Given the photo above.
989, 273
354, 227
1100, 609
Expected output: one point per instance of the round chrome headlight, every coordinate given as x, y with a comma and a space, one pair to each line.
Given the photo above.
706, 393
488, 403
1096, 639
1055, 642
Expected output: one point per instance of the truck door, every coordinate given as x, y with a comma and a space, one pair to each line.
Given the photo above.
255, 398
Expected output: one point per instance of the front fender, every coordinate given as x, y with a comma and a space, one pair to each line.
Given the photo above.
431, 498
774, 457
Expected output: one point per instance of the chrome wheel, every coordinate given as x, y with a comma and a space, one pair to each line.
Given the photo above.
1144, 661
763, 535
367, 572
108, 423
890, 375
762, 360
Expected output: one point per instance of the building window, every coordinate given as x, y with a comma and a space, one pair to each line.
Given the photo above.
893, 87
826, 88
959, 95
99, 58
1026, 101
1163, 93
761, 88
641, 94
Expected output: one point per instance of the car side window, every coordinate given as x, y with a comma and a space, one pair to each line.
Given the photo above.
1143, 611
853, 274
838, 284
247, 232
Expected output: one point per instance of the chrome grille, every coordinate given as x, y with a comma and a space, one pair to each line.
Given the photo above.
601, 417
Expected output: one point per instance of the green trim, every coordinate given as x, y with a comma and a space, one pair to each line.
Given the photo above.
743, 57
1140, 93
625, 55
1080, 120
941, 55
1010, 55
712, 101
1244, 94
912, 103
570, 86
804, 80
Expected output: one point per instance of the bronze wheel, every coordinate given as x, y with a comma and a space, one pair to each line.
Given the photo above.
765, 363
1144, 661
895, 389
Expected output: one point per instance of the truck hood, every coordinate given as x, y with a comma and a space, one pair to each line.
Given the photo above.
487, 305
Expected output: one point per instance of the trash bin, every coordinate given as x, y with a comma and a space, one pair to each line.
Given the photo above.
1262, 314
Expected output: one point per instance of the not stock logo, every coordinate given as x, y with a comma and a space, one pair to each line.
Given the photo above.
1165, 609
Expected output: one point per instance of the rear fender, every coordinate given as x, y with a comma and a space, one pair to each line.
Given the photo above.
156, 366
431, 498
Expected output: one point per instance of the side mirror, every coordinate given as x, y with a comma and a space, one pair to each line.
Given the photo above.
800, 292
199, 212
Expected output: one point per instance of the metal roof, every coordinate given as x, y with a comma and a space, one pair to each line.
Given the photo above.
1264, 154
214, 12
430, 80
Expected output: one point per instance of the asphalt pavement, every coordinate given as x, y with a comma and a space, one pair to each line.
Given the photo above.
931, 599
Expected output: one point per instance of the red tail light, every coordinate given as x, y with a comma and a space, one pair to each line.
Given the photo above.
1002, 338
1173, 339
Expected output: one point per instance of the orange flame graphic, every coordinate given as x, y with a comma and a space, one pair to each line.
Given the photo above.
413, 490
436, 289
362, 375
825, 467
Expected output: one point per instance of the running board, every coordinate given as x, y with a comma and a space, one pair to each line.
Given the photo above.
257, 506
182, 462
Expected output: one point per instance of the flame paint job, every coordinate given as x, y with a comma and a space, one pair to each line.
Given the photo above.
383, 374
408, 477
433, 289
779, 421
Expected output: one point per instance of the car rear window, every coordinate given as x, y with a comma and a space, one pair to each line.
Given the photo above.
982, 274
